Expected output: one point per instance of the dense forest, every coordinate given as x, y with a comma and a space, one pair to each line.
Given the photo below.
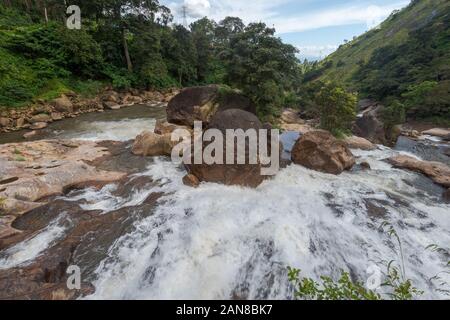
134, 44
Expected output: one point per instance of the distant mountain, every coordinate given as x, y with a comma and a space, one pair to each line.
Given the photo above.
406, 58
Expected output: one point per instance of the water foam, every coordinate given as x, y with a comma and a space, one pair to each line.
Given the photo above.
25, 252
219, 242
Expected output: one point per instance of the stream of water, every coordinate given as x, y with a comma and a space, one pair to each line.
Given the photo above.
220, 242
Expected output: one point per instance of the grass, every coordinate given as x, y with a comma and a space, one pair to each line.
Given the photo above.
20, 158
17, 151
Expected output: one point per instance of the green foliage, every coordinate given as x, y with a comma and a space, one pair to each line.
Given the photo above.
337, 108
261, 66
395, 286
407, 58
393, 114
327, 289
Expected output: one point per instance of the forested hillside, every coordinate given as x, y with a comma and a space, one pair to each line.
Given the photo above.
133, 44
406, 58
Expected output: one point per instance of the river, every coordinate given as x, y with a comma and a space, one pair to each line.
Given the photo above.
220, 242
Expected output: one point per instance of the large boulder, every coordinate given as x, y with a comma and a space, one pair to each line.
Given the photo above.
354, 142
5, 122
150, 144
202, 103
42, 117
319, 150
437, 171
248, 175
369, 125
63, 104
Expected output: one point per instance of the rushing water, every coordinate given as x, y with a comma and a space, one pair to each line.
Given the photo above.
220, 242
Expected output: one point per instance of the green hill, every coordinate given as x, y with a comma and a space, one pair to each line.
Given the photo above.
406, 58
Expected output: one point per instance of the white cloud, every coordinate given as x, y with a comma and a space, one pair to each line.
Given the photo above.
315, 51
197, 8
372, 16
269, 11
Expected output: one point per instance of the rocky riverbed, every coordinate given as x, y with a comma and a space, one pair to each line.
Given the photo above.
137, 231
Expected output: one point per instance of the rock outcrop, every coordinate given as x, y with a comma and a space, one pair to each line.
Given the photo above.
355, 142
150, 144
63, 104
319, 150
291, 121
248, 175
202, 103
437, 171
33, 171
369, 125
438, 132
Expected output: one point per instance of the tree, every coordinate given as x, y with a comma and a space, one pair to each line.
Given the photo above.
203, 37
262, 66
180, 54
337, 108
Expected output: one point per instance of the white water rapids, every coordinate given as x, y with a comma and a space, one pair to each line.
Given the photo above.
219, 242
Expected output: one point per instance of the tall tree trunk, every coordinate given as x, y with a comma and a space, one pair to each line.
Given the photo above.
125, 49
46, 14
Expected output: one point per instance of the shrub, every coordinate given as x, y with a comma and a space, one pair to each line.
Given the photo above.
337, 108
393, 114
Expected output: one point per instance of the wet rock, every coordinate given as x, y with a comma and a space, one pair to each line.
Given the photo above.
375, 209
30, 134
413, 134
20, 122
56, 116
110, 96
369, 125
63, 104
319, 150
291, 121
191, 181
202, 103
354, 142
291, 116
163, 127
446, 196
42, 117
111, 105
48, 168
39, 125
437, 171
6, 230
150, 144
248, 175
301, 128
5, 122
365, 165
438, 132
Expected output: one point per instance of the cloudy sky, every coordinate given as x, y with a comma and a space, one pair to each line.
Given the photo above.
316, 27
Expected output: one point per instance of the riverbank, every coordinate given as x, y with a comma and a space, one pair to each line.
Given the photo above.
70, 105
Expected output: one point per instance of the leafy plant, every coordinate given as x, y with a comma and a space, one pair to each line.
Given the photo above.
327, 289
337, 108
396, 283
